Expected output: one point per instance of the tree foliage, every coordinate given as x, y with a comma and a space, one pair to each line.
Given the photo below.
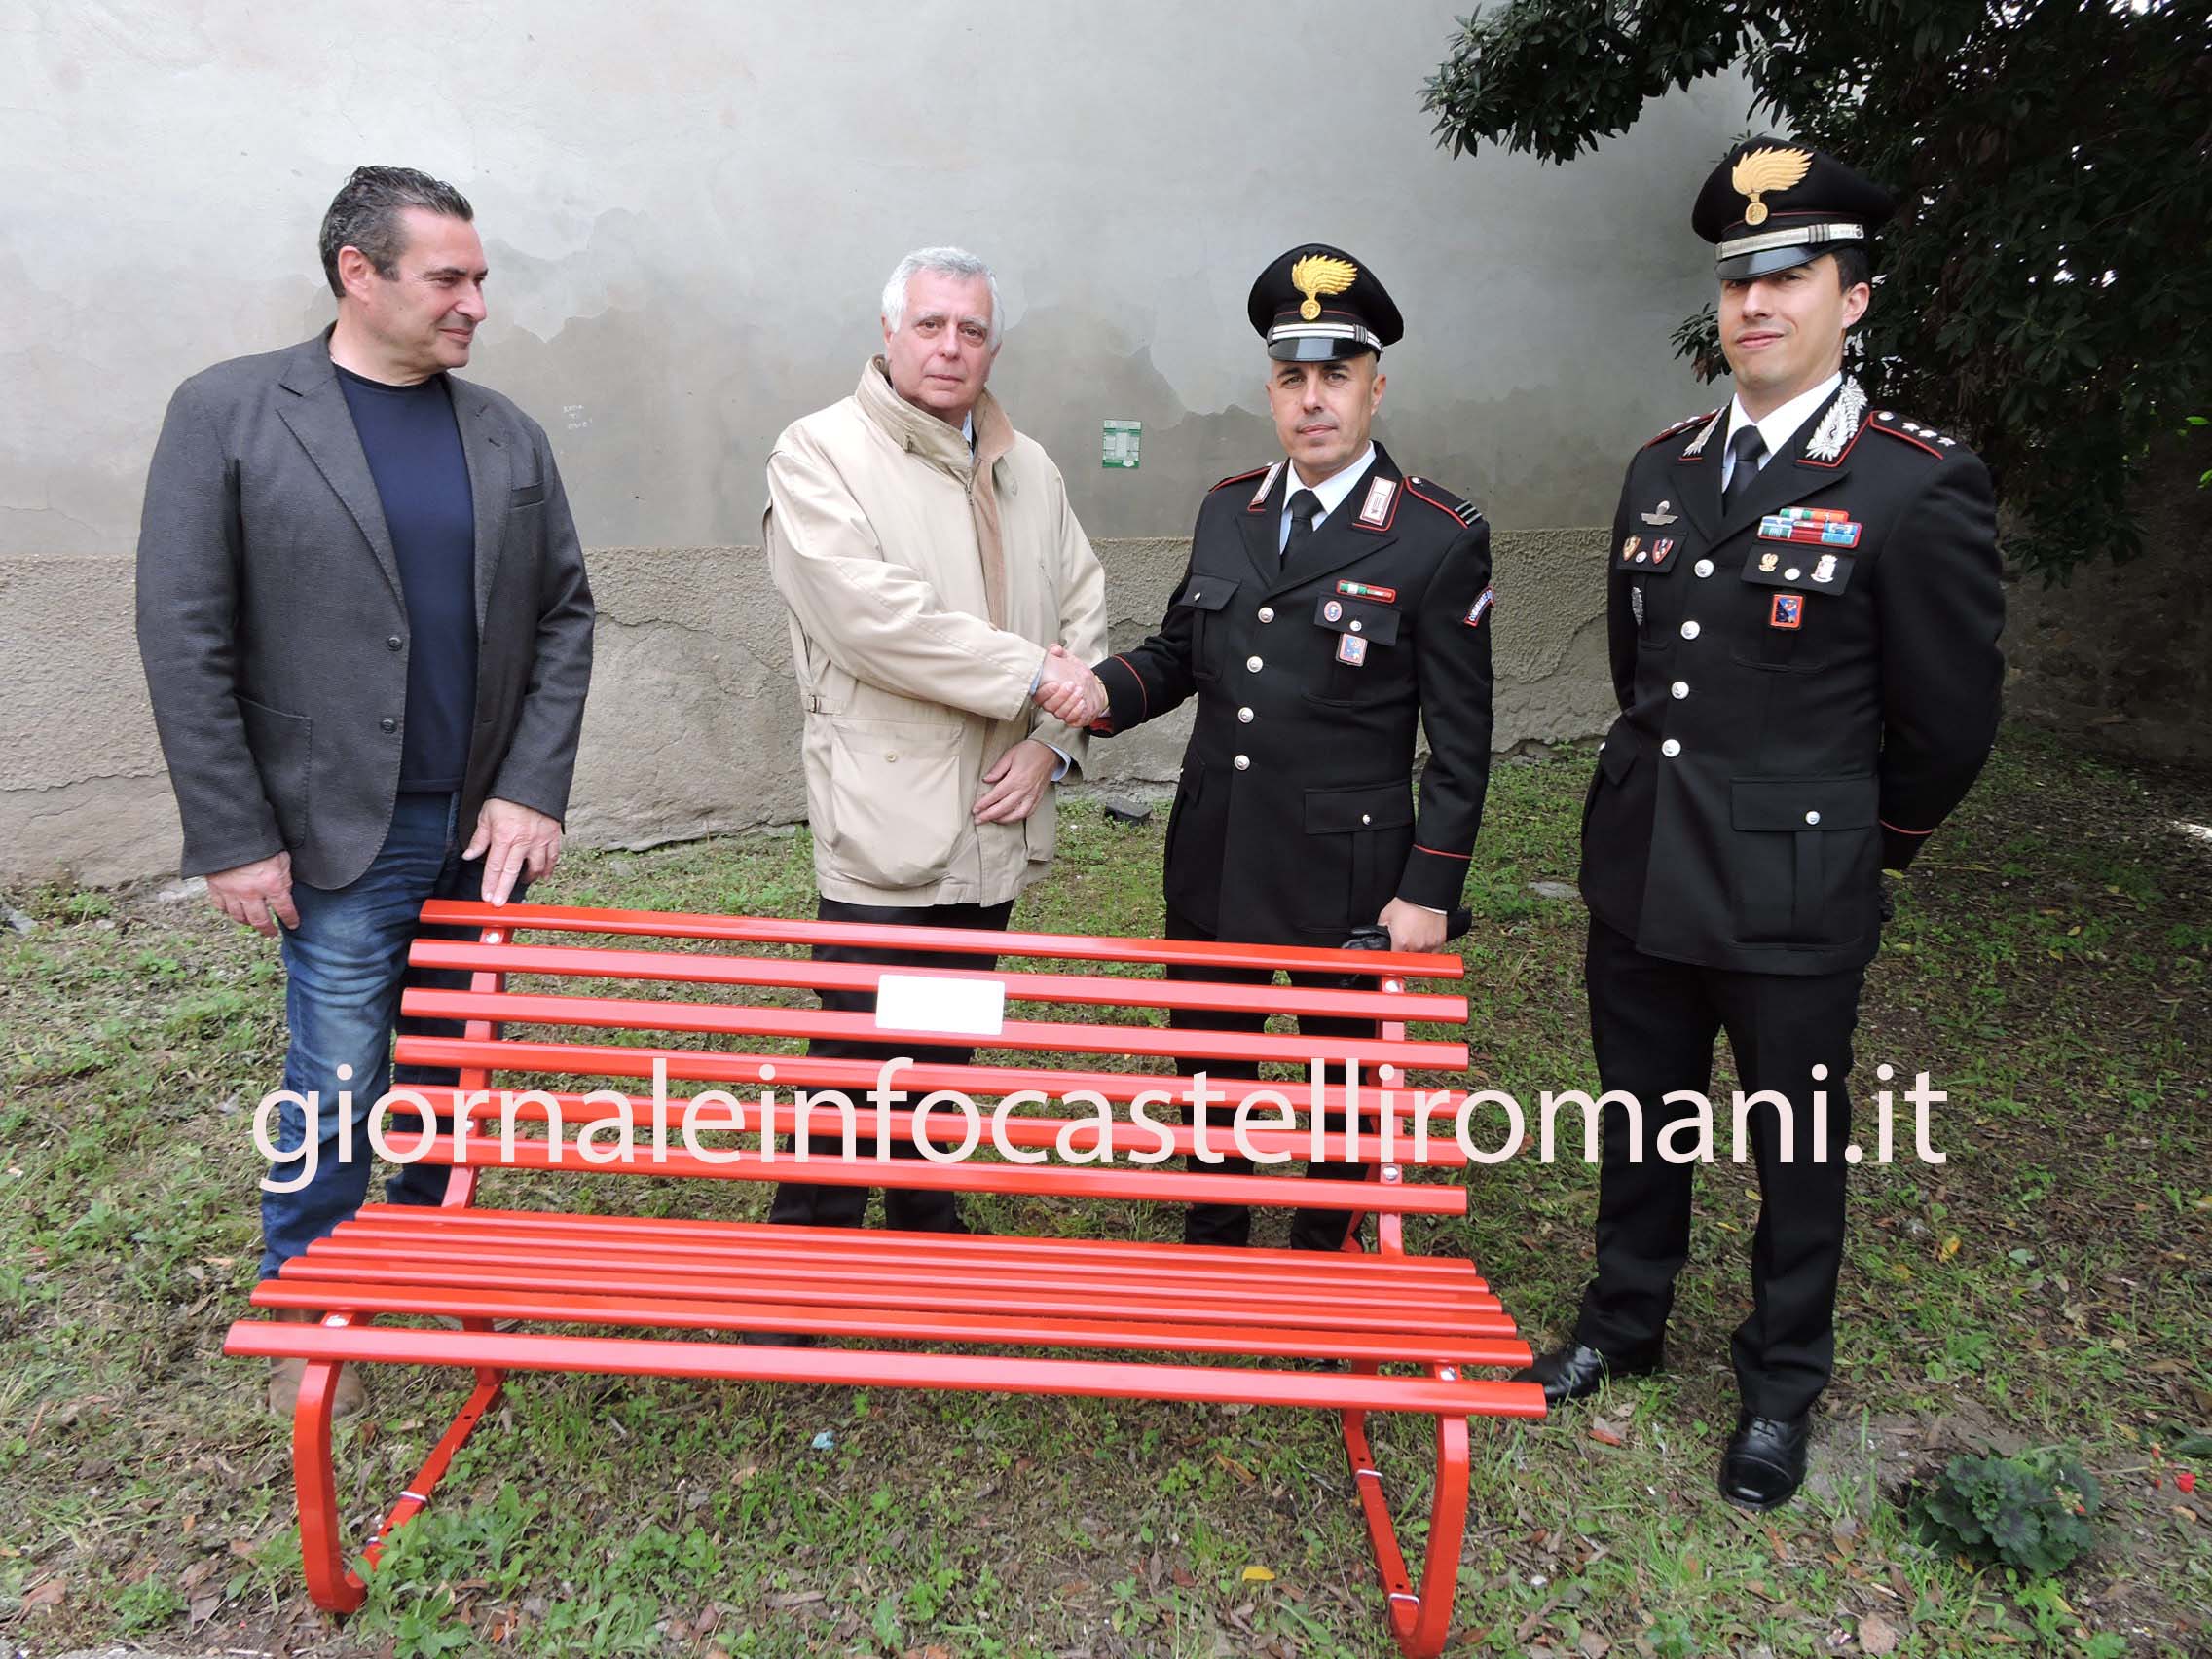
2045, 289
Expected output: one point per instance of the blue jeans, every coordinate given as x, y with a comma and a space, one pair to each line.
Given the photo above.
345, 967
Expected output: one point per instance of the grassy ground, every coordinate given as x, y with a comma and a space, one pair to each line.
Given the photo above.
2051, 964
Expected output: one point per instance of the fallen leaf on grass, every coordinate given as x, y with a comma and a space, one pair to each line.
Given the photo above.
1236, 1468
1604, 1433
1593, 1646
47, 1594
1875, 1635
204, 1609
1256, 1575
1183, 1578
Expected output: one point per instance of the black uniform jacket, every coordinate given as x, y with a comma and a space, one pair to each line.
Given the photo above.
1294, 821
1809, 683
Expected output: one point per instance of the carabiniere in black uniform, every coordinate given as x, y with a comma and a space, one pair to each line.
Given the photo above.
1294, 821
1809, 683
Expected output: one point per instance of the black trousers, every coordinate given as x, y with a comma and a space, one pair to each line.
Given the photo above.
1654, 1023
809, 1204
1231, 1223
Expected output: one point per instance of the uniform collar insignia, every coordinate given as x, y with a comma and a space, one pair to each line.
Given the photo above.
1697, 444
1840, 425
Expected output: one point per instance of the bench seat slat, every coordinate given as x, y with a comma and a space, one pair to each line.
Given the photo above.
738, 1020
345, 1263
1162, 1186
1121, 1380
506, 919
882, 1249
696, 968
901, 1324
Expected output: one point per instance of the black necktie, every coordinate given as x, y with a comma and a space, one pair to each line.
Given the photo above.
1303, 504
1746, 447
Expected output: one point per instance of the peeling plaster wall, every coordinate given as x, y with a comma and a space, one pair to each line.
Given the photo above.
689, 211
693, 725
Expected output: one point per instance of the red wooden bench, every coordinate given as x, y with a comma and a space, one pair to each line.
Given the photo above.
1080, 1316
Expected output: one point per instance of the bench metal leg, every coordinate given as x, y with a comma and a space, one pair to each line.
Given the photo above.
1420, 1619
314, 1477
334, 1587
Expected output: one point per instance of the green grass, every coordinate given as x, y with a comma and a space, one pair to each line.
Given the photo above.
2051, 964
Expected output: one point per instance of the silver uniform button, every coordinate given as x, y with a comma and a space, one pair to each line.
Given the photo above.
1366, 818
1251, 665
1703, 566
1689, 629
1244, 714
1680, 689
1791, 574
1355, 627
1267, 614
1243, 763
1812, 818
1671, 748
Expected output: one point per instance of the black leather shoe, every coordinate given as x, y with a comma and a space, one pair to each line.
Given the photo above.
1577, 1371
1765, 1461
780, 1338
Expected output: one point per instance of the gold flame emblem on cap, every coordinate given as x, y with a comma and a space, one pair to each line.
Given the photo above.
1317, 274
1758, 171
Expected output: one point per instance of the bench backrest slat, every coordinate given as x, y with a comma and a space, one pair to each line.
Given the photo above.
1020, 1129
700, 968
731, 1020
1067, 947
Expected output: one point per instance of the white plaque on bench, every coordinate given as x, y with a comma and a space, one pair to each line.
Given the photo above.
932, 1002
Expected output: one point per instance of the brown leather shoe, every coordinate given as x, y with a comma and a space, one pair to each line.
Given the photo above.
284, 1374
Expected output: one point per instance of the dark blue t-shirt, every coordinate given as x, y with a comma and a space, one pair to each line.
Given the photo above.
414, 448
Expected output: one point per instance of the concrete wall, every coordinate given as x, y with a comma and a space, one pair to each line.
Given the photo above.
692, 725
689, 213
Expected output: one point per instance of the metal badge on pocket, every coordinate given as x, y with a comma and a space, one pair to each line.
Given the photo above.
1351, 649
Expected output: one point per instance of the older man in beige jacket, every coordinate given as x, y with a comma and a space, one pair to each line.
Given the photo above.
929, 557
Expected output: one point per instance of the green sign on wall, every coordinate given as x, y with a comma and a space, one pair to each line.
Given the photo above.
1118, 444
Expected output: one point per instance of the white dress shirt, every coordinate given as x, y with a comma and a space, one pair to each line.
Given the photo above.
1332, 489
1777, 429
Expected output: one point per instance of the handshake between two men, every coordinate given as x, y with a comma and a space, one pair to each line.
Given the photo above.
1070, 692
1017, 782
1067, 689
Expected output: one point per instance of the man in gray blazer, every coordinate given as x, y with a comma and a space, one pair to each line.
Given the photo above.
366, 629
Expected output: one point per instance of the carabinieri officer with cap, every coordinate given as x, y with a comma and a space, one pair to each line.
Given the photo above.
1331, 604
1803, 613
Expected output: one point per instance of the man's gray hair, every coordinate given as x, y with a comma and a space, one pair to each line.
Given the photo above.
945, 262
365, 214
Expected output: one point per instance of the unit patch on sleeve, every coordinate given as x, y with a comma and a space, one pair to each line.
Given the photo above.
1480, 608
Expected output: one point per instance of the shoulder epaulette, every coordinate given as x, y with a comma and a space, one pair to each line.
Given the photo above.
1442, 499
1236, 478
1914, 432
1679, 427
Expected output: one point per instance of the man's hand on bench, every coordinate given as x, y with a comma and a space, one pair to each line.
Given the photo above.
513, 839
257, 894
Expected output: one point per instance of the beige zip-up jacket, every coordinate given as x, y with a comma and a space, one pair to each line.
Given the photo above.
924, 583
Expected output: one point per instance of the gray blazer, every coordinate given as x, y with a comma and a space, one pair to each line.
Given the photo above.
274, 637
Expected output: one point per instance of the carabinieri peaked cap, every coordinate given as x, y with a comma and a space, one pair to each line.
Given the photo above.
1771, 204
1317, 304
